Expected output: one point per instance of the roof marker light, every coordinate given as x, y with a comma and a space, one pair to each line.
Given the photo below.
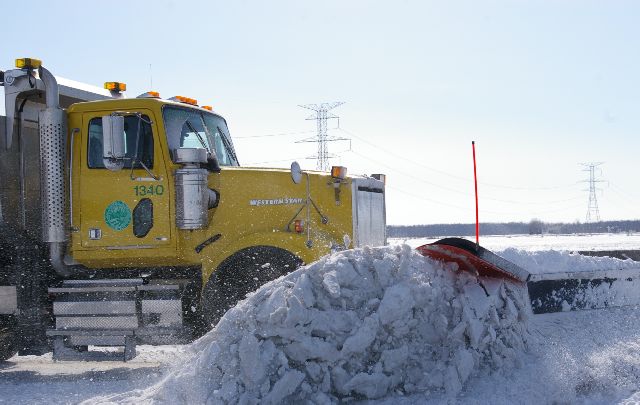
149, 94
338, 172
207, 107
183, 99
28, 63
115, 86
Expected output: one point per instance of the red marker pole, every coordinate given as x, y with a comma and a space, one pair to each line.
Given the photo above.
475, 180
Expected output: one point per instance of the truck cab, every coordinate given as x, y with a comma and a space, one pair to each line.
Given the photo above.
141, 203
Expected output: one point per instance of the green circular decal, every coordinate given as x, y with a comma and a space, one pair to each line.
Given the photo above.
117, 215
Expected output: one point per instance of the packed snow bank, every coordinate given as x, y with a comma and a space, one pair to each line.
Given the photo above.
605, 281
578, 357
366, 323
558, 261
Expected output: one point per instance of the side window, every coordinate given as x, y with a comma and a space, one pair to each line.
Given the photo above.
138, 142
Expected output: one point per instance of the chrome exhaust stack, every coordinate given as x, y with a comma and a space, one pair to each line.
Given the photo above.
53, 129
33, 94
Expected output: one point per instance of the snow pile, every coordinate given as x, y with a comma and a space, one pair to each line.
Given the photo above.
557, 261
578, 357
359, 324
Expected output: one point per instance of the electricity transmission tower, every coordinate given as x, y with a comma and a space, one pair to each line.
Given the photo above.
322, 114
593, 214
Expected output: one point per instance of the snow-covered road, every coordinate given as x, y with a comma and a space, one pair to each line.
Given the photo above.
40, 380
586, 357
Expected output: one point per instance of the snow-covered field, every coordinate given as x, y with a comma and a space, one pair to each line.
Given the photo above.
383, 307
611, 241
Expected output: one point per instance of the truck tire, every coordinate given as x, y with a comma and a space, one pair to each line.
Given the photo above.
8, 338
240, 274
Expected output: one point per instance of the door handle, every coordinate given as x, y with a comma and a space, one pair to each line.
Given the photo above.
146, 178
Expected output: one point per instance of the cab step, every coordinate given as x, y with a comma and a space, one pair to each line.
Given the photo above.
74, 345
114, 315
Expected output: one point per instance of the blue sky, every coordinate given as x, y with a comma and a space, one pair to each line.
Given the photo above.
539, 85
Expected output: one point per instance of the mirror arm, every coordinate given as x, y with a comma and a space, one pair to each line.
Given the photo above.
213, 164
145, 168
135, 159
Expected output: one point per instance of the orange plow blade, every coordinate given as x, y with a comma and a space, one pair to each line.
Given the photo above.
475, 259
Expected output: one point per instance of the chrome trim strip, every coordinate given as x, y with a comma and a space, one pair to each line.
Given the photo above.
128, 247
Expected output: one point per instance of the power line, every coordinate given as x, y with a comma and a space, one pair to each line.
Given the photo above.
404, 158
632, 198
464, 193
277, 161
466, 179
270, 135
485, 211
413, 176
420, 197
321, 116
624, 202
593, 213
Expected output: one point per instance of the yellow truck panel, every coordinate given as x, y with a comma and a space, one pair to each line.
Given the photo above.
125, 201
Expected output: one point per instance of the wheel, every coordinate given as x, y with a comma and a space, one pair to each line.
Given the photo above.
240, 274
8, 338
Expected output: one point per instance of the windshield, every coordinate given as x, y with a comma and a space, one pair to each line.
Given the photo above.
190, 128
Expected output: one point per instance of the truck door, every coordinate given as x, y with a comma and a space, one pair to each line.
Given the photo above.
128, 208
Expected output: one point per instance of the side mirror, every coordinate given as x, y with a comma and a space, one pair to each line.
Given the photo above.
113, 142
296, 172
212, 162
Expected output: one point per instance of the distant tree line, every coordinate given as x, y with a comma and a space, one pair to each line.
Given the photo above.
533, 227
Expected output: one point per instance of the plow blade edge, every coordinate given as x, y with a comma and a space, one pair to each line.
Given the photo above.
473, 258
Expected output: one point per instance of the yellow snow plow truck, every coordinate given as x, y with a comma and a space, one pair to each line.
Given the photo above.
130, 220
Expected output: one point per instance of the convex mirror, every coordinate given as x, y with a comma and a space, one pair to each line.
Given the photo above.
113, 142
296, 172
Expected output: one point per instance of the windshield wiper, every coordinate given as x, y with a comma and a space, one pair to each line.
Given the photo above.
228, 145
197, 134
212, 159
